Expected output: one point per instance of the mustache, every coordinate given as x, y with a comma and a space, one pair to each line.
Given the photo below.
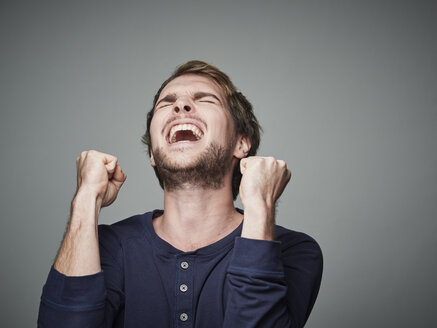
189, 116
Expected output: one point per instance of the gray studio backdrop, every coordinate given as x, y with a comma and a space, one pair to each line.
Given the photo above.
345, 92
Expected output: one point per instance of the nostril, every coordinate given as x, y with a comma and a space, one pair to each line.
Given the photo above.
187, 108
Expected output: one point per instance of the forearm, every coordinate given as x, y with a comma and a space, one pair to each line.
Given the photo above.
259, 221
79, 252
257, 283
81, 298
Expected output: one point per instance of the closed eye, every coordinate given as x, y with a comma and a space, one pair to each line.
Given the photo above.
206, 97
166, 101
163, 105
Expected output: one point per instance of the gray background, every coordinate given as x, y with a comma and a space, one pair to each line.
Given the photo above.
345, 92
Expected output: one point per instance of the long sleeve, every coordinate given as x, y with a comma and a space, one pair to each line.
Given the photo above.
86, 301
273, 283
235, 282
72, 301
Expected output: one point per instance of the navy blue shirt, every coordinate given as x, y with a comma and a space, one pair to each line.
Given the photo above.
235, 282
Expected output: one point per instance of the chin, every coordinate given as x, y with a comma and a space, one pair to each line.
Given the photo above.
180, 157
205, 168
182, 162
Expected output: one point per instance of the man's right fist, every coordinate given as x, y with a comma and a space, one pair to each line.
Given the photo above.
100, 175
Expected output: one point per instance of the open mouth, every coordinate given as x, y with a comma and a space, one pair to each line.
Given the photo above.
184, 132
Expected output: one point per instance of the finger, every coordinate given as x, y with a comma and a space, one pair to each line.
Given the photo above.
243, 165
285, 179
110, 163
281, 163
118, 175
119, 178
111, 167
107, 158
83, 154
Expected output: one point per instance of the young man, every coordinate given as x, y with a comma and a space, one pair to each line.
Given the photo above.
199, 262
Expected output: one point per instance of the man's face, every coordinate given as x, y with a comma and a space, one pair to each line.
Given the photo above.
190, 115
192, 133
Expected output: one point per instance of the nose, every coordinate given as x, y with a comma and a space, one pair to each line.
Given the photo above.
182, 105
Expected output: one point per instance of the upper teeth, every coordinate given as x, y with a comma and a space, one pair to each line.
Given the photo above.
180, 127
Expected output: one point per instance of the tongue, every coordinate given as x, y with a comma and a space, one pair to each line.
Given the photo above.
185, 135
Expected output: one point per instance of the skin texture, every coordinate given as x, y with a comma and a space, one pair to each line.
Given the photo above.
195, 215
99, 178
206, 173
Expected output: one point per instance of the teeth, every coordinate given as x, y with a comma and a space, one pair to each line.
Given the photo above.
184, 127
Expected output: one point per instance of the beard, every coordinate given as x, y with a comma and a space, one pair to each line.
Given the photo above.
206, 172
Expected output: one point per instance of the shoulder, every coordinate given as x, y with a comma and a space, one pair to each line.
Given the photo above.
298, 244
132, 227
289, 238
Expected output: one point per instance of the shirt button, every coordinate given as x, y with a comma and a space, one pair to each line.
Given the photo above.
183, 288
183, 317
184, 265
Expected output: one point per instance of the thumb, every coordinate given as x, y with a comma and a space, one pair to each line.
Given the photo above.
110, 167
119, 177
243, 164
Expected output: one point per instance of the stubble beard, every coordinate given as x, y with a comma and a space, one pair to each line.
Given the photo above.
206, 172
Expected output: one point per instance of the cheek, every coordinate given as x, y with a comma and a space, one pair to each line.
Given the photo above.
229, 125
154, 129
224, 127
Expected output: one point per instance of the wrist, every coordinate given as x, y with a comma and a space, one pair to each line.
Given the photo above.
85, 207
259, 208
87, 195
259, 223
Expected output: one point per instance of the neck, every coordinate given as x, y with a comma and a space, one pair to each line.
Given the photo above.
194, 217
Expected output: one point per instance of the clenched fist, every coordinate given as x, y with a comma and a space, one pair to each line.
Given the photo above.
264, 178
262, 183
99, 174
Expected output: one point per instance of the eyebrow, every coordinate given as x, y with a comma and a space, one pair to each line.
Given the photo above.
198, 95
168, 98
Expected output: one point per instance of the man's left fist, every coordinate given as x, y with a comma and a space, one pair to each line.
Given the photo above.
264, 179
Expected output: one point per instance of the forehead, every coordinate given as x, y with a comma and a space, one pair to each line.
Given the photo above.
191, 83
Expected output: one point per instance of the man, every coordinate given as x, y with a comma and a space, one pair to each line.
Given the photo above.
200, 262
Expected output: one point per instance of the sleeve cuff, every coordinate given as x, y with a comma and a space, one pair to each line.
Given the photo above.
74, 293
258, 256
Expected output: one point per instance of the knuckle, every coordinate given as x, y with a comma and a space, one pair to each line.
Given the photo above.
269, 161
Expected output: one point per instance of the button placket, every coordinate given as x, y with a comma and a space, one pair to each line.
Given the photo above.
184, 290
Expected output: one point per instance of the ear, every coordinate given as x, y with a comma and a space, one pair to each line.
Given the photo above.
152, 159
242, 146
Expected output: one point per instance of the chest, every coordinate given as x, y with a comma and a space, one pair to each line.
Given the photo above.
174, 290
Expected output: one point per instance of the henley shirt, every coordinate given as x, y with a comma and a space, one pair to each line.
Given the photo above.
146, 282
